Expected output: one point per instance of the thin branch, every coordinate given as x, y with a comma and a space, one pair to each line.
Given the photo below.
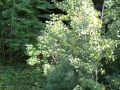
103, 7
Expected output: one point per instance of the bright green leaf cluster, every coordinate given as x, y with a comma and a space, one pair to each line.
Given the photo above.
75, 43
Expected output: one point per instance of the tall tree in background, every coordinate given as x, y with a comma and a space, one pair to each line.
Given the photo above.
21, 21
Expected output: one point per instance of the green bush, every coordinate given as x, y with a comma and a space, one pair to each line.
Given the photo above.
21, 78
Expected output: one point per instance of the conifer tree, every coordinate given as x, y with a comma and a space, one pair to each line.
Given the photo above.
21, 21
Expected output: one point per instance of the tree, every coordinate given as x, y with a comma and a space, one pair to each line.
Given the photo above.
21, 21
75, 45
111, 26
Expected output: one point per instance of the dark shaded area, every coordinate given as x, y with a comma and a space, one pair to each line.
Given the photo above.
49, 11
98, 4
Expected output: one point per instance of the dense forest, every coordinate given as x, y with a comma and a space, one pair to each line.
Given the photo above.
59, 45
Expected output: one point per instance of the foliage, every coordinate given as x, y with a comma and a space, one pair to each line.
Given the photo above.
21, 21
111, 18
21, 78
63, 43
74, 44
111, 26
64, 40
69, 76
